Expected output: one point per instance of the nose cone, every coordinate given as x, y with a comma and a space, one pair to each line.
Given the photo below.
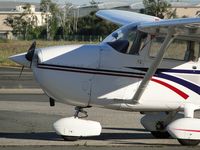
20, 59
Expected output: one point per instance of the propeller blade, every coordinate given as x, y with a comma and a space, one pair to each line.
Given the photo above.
21, 72
30, 53
31, 64
33, 46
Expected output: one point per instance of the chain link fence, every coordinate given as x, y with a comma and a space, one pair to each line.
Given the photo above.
78, 38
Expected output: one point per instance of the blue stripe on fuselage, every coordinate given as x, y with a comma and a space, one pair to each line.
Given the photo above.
161, 74
180, 81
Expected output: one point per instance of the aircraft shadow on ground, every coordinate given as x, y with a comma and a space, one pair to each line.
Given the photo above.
125, 129
117, 134
111, 133
117, 137
120, 136
52, 136
49, 136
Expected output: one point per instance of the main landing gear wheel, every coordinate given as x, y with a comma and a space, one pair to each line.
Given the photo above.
71, 138
160, 135
188, 142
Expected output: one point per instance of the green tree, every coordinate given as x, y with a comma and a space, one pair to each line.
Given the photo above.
70, 18
53, 21
92, 25
158, 8
24, 24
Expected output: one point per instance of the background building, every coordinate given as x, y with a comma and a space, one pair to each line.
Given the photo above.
13, 9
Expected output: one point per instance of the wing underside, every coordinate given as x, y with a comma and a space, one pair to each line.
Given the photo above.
184, 27
121, 17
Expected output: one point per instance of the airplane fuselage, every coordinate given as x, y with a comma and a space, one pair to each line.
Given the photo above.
97, 75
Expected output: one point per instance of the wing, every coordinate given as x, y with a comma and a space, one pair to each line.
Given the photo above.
125, 17
185, 27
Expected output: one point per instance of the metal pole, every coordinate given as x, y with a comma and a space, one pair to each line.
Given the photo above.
74, 21
47, 17
77, 18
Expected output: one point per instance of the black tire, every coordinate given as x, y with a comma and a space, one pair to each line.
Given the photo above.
160, 135
71, 138
185, 142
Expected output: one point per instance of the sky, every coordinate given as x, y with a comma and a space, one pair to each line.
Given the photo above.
81, 2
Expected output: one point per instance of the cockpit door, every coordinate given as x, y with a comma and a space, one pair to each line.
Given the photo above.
117, 78
121, 54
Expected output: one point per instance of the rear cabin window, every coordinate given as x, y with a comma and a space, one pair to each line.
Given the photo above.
179, 49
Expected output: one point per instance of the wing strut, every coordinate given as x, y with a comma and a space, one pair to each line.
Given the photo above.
151, 71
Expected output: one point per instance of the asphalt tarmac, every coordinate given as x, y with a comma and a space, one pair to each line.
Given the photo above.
26, 121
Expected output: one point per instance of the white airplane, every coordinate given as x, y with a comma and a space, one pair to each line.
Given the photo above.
148, 65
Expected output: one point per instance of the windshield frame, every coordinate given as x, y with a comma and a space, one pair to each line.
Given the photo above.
112, 38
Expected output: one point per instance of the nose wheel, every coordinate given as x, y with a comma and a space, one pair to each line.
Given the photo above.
70, 138
72, 128
79, 113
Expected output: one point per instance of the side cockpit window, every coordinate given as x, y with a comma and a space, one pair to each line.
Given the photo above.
179, 49
120, 45
127, 40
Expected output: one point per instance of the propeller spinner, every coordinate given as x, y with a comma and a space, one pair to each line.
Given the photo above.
25, 59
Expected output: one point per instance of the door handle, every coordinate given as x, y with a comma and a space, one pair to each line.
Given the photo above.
194, 67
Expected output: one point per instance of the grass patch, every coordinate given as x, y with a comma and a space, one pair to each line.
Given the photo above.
12, 47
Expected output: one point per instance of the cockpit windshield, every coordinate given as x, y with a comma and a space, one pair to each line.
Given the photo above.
127, 40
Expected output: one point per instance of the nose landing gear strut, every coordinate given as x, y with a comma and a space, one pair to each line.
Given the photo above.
79, 110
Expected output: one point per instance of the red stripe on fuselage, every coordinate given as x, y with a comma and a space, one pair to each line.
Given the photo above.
188, 130
179, 92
